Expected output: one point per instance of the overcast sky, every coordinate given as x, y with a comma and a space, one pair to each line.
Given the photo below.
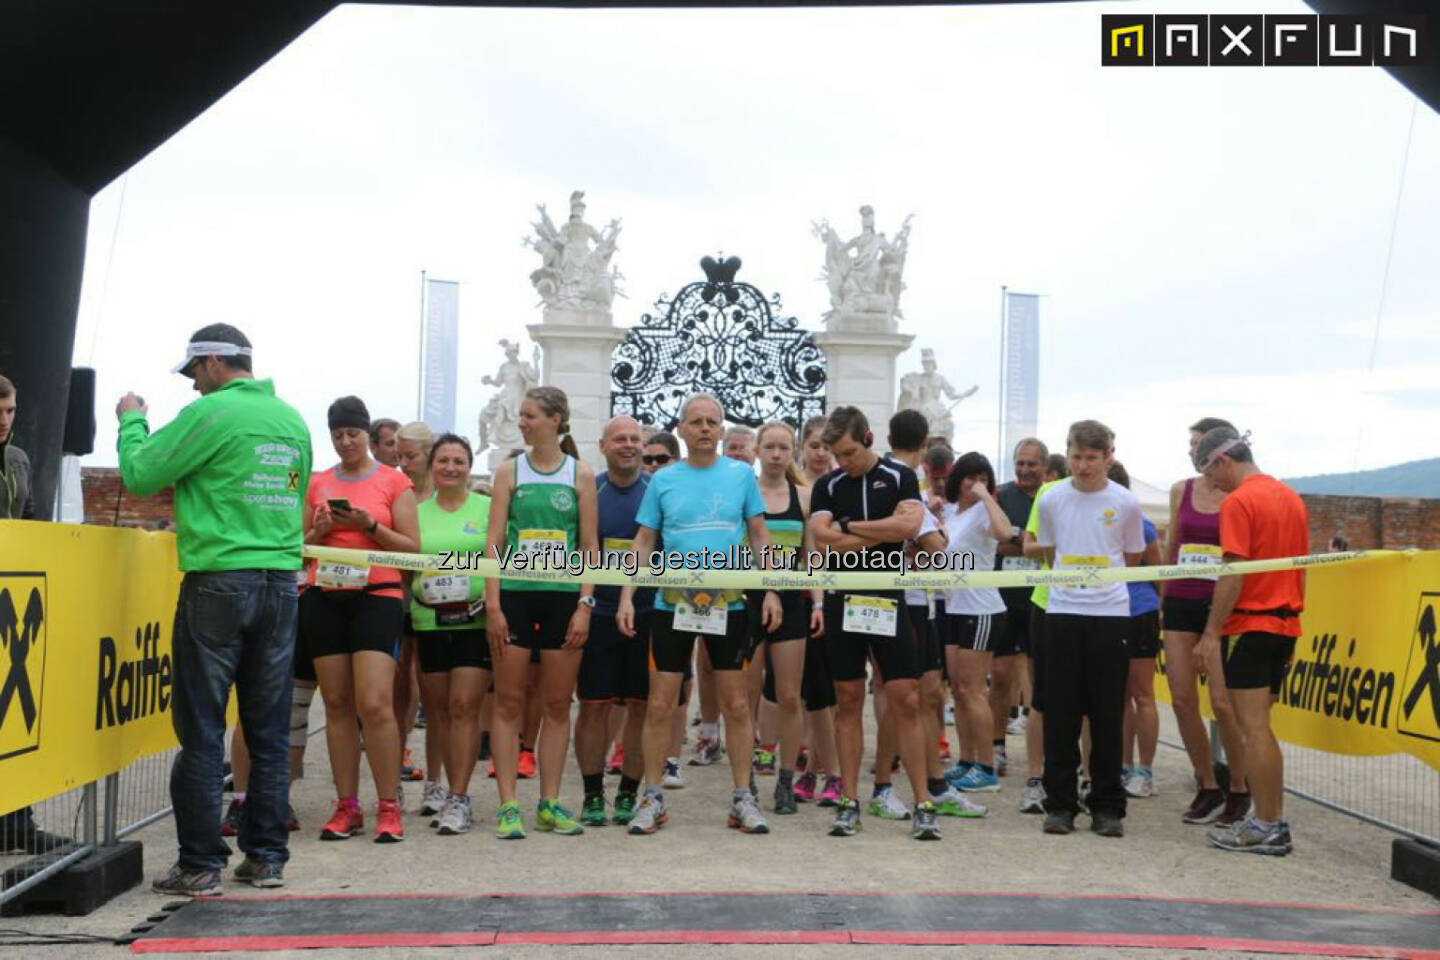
1208, 241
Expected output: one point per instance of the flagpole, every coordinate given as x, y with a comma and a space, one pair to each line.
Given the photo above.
1000, 419
420, 370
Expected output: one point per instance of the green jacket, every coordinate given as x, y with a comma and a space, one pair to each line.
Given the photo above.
240, 462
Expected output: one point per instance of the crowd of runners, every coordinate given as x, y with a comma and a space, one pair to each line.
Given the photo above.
779, 679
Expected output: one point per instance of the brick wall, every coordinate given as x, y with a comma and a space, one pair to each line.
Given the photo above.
1392, 523
102, 489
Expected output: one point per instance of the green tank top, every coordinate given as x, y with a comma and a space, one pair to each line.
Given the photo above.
461, 535
544, 517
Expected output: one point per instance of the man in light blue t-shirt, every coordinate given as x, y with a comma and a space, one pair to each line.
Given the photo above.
704, 509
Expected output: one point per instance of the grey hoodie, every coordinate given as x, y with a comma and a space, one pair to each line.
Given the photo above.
15, 503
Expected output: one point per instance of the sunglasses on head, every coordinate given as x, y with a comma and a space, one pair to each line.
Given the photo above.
654, 458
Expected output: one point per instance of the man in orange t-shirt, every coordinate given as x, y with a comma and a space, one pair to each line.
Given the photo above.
1253, 622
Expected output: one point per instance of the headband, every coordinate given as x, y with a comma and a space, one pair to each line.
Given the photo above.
209, 348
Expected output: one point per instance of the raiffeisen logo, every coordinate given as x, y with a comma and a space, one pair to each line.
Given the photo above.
22, 661
132, 683
1255, 40
1336, 687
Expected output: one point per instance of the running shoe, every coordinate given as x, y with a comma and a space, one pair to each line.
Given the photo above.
1206, 806
1032, 798
847, 819
953, 803
230, 826
592, 811
949, 714
674, 778
802, 761
180, 882
762, 761
624, 808
944, 748
745, 814
491, 774
1249, 836
1237, 808
955, 774
525, 768
617, 761
1140, 783
389, 825
1107, 825
785, 798
457, 817
1002, 764
887, 806
292, 822
508, 825
260, 874
831, 794
804, 788
927, 822
976, 780
408, 770
1059, 823
420, 720
551, 817
650, 815
345, 822
707, 752
432, 801
1083, 796
1015, 726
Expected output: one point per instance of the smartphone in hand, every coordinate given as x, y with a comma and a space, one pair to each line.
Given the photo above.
339, 505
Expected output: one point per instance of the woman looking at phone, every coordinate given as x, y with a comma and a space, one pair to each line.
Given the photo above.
351, 616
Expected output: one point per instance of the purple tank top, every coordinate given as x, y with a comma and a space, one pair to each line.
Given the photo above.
1194, 527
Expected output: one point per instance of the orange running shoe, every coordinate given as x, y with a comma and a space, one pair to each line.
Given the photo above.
408, 770
389, 827
492, 768
525, 769
617, 761
944, 748
345, 822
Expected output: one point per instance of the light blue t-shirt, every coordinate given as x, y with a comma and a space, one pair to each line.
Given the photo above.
1143, 598
701, 509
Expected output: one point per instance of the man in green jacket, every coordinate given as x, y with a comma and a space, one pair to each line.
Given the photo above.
239, 459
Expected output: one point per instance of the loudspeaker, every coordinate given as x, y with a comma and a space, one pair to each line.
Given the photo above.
80, 413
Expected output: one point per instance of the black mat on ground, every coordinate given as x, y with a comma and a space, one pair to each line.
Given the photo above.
260, 923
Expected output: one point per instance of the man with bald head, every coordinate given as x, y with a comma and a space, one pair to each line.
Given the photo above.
614, 668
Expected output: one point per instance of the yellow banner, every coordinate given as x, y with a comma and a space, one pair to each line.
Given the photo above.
85, 669
1365, 679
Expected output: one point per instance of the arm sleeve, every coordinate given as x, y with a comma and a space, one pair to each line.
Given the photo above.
150, 462
649, 513
1235, 528
820, 498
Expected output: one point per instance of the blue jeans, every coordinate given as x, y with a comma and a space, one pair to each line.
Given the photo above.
232, 627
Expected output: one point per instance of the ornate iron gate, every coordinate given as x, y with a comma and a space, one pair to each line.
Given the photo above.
723, 337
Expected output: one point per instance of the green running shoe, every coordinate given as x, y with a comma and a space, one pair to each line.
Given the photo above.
508, 825
552, 817
624, 808
592, 814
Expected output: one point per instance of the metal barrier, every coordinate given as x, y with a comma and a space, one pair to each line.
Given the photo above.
1399, 793
74, 815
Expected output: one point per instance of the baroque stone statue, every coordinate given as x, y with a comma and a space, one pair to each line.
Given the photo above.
864, 274
575, 273
926, 391
500, 419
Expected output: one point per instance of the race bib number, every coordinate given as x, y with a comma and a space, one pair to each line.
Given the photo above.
541, 541
874, 615
616, 548
1082, 562
445, 588
341, 576
692, 618
1019, 563
1201, 555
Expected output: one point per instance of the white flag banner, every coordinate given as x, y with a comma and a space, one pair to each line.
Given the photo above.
1020, 368
439, 370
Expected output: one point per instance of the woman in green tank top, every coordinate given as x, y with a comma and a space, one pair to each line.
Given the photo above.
450, 631
543, 514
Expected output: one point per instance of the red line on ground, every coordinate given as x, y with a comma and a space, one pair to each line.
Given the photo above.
619, 937
1155, 941
471, 938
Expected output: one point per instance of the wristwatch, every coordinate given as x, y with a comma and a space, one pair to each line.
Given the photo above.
374, 525
587, 602
845, 525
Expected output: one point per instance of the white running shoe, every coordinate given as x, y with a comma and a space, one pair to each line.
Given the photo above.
674, 778
1140, 783
433, 801
888, 806
1032, 798
457, 817
1015, 726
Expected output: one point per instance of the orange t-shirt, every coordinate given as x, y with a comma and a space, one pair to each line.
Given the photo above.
375, 494
1263, 519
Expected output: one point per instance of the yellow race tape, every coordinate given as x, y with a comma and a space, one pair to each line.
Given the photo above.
577, 572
